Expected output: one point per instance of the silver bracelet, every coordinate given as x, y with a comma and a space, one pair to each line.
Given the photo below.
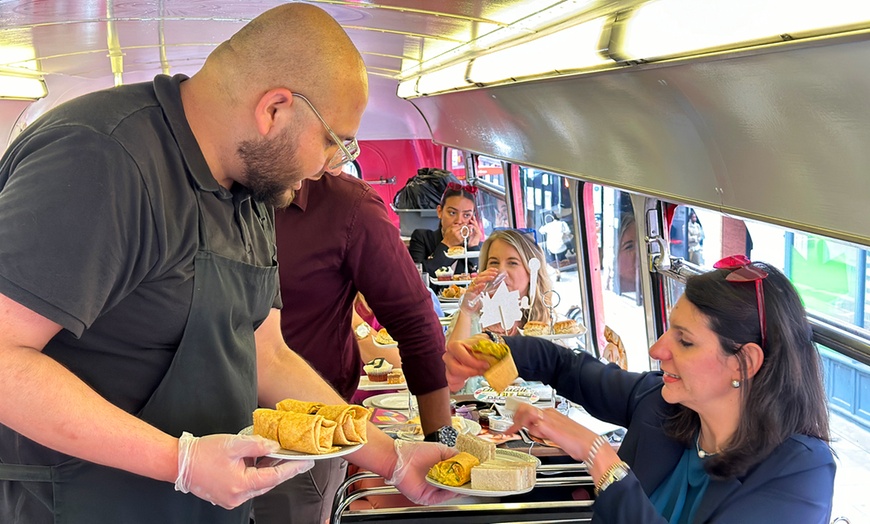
593, 450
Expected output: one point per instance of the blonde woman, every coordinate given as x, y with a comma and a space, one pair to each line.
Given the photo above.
505, 251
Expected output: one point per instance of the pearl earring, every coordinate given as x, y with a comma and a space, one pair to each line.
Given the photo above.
735, 384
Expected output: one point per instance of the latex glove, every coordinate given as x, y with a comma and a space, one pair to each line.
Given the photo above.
215, 468
415, 460
460, 364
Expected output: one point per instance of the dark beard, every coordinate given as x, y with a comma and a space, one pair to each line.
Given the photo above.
270, 168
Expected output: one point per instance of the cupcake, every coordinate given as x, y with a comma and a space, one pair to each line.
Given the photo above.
444, 273
378, 370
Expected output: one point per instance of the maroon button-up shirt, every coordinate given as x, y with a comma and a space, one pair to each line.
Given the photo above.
334, 239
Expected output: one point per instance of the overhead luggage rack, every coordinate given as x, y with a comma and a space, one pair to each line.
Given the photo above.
539, 512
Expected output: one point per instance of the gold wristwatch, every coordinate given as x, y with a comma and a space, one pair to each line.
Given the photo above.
614, 473
362, 330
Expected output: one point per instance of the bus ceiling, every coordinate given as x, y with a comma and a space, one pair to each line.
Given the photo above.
764, 120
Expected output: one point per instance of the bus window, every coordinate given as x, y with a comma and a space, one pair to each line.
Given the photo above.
456, 162
489, 170
547, 209
490, 180
688, 235
492, 208
619, 285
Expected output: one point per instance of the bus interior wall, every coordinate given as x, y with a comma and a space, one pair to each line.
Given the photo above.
388, 164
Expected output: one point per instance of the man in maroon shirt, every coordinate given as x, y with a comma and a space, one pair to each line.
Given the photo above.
336, 239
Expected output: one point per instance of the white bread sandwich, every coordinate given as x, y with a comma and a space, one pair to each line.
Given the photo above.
503, 475
478, 447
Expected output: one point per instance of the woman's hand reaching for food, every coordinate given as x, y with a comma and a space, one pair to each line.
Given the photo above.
552, 425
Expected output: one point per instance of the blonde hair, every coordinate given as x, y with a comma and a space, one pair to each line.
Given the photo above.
528, 249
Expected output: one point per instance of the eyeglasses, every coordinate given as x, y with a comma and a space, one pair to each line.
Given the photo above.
742, 270
348, 150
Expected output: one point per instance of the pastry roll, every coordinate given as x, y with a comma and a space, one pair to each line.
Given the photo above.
346, 431
306, 433
266, 423
296, 431
360, 421
299, 406
454, 471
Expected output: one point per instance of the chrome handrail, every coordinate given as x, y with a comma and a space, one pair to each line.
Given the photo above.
547, 477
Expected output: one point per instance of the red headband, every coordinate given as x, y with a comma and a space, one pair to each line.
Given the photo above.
461, 187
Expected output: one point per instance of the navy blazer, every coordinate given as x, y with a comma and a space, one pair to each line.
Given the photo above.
794, 484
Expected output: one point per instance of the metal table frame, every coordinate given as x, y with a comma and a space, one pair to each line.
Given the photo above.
549, 512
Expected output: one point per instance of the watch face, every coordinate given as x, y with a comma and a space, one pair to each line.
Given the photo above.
447, 435
363, 330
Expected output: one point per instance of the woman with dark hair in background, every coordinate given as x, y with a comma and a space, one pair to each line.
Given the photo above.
457, 210
734, 428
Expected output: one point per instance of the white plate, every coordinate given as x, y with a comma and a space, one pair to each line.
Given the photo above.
504, 454
384, 345
410, 432
367, 385
394, 401
286, 454
560, 336
437, 282
489, 395
467, 254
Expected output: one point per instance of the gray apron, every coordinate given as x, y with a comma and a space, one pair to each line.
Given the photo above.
210, 387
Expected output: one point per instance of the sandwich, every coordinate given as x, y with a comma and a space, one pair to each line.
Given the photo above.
567, 327
533, 328
502, 369
454, 471
478, 447
503, 475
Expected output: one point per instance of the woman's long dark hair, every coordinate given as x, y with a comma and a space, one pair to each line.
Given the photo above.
786, 396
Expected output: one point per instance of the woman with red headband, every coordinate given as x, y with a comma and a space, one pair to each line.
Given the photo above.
458, 215
734, 428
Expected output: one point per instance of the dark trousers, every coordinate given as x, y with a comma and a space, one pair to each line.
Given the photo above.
304, 499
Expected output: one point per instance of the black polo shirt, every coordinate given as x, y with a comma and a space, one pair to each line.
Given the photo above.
98, 206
